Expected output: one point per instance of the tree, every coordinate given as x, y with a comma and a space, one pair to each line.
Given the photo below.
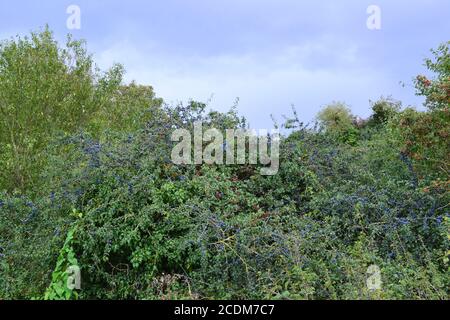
437, 89
45, 89
335, 116
383, 110
338, 120
425, 135
131, 106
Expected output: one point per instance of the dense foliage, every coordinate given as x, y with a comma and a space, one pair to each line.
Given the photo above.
46, 90
106, 196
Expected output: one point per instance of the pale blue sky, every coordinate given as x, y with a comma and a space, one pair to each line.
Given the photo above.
270, 54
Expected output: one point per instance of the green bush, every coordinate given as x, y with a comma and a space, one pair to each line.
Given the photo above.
111, 201
437, 89
339, 121
383, 111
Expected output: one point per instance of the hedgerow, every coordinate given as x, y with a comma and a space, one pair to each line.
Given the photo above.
140, 227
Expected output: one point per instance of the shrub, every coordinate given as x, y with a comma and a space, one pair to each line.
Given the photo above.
338, 120
139, 227
383, 111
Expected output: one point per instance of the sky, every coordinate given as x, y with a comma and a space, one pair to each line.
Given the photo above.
271, 55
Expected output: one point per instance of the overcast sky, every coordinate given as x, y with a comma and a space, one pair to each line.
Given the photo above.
270, 54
